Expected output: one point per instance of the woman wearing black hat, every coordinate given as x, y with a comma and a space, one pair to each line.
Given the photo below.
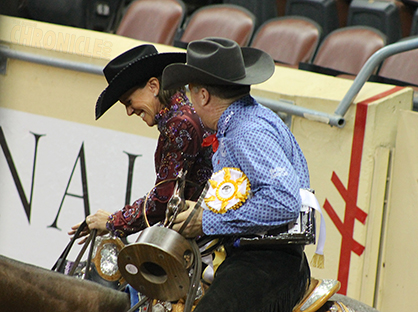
134, 78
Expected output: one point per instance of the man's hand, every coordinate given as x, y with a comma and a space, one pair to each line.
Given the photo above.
95, 221
194, 227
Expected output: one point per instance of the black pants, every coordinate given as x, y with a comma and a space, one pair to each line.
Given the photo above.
251, 280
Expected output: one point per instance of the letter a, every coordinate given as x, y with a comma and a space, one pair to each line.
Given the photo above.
85, 195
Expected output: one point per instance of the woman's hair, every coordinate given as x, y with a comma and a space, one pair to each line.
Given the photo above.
163, 95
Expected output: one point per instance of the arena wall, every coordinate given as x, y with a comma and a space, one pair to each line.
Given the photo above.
59, 164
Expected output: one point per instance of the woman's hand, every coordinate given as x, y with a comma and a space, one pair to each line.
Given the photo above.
194, 227
95, 221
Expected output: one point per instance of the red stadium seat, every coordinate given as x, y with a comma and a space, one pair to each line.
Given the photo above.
402, 66
152, 20
219, 20
402, 69
289, 39
347, 49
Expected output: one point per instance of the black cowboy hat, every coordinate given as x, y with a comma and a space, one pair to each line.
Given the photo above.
219, 61
131, 68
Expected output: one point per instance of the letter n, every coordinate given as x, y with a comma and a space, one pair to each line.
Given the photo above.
27, 204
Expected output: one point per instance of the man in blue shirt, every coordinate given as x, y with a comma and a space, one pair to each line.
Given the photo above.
259, 170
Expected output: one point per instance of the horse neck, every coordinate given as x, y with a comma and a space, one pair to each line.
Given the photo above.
25, 287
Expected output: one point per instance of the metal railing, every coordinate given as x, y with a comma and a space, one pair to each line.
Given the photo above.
337, 119
6, 52
375, 60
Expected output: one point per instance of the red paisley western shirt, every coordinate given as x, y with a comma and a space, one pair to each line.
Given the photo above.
179, 147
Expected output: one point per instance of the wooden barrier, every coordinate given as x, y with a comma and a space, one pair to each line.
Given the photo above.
396, 280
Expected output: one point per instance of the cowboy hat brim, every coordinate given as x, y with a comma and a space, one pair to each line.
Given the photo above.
136, 73
259, 67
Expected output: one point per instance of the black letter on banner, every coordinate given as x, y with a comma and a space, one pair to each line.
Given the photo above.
130, 175
83, 181
27, 205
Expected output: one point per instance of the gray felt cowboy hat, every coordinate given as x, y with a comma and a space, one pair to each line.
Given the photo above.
219, 61
131, 68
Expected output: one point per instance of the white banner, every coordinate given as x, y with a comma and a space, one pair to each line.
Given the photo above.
54, 172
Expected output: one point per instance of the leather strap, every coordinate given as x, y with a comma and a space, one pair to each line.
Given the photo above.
59, 265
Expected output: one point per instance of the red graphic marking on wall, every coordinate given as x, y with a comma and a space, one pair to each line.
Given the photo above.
350, 194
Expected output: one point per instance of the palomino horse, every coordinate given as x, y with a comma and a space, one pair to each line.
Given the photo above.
24, 287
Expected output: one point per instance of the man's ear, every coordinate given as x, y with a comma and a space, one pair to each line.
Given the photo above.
205, 96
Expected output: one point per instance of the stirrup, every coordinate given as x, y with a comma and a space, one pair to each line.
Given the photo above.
319, 291
337, 306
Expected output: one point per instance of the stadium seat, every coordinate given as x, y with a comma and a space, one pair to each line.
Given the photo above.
412, 3
406, 14
324, 12
402, 66
382, 15
102, 15
263, 10
347, 49
281, 7
62, 12
414, 25
219, 20
402, 69
342, 9
289, 39
152, 20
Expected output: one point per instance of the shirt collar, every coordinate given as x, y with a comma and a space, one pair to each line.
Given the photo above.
227, 116
177, 100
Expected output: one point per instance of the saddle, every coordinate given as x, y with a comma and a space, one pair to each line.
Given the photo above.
162, 271
317, 297
158, 265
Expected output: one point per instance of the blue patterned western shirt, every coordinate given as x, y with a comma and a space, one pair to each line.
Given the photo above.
255, 140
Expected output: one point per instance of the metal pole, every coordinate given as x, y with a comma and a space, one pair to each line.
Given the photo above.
50, 61
289, 108
368, 68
